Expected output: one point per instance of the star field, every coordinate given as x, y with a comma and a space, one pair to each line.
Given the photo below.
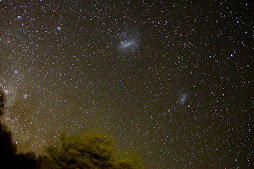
170, 80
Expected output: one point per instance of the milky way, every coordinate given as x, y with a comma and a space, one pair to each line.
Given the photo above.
172, 81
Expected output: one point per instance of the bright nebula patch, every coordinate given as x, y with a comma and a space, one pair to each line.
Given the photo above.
127, 44
128, 41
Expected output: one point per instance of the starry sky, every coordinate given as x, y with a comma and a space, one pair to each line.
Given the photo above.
172, 80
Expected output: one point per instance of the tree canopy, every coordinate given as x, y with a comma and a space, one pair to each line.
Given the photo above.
88, 150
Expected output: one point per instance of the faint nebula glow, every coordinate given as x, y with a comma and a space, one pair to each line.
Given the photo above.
182, 98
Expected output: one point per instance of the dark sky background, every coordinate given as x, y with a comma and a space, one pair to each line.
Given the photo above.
172, 80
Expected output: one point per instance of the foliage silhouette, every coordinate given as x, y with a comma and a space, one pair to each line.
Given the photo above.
9, 159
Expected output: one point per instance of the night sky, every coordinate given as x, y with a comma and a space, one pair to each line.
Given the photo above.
172, 80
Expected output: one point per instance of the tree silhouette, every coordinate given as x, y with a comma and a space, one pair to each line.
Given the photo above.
88, 150
9, 159
7, 148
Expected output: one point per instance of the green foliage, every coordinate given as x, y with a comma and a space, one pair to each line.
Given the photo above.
88, 150
128, 160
